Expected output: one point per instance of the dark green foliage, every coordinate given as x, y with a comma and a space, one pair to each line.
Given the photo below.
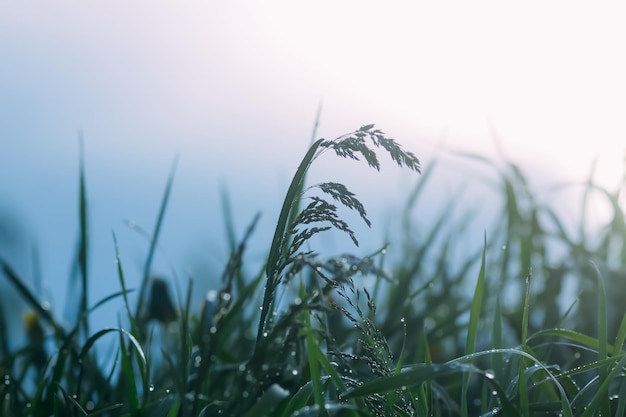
389, 334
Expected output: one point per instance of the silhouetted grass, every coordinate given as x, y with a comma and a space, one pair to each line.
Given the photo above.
304, 335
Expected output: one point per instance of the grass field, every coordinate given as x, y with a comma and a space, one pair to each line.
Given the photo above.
432, 329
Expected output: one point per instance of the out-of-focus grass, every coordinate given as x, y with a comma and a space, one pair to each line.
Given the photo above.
305, 336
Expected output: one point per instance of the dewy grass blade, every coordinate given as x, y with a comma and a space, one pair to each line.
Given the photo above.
409, 377
620, 337
522, 388
472, 331
314, 365
280, 240
582, 339
129, 378
155, 239
120, 274
603, 391
621, 403
496, 336
605, 404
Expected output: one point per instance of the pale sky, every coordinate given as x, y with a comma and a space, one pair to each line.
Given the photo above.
233, 87
548, 76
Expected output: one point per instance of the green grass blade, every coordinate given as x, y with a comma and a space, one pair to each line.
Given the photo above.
472, 331
574, 336
130, 389
522, 388
120, 274
605, 404
155, 239
229, 224
496, 336
4, 341
602, 394
621, 403
507, 406
280, 241
620, 337
314, 365
299, 400
409, 377
83, 247
298, 196
317, 360
476, 305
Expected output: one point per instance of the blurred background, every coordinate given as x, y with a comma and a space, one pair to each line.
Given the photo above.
232, 90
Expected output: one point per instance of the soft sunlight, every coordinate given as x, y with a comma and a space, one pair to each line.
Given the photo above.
549, 82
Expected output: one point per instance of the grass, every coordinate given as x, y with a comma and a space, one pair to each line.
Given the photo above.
305, 336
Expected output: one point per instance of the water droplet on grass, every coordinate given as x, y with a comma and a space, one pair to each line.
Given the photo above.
151, 388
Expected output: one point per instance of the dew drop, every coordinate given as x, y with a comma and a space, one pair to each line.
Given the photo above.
489, 374
151, 388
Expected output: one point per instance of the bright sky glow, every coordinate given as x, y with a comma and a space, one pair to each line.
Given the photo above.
548, 78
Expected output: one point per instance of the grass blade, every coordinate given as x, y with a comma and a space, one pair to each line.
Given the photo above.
472, 331
83, 246
522, 389
280, 241
155, 239
605, 404
409, 377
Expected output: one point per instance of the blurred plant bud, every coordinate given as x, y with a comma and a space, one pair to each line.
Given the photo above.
36, 337
160, 305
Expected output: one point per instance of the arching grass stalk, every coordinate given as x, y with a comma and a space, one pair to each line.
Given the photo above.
292, 228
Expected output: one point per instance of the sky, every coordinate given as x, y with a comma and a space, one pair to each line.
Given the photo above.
231, 89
